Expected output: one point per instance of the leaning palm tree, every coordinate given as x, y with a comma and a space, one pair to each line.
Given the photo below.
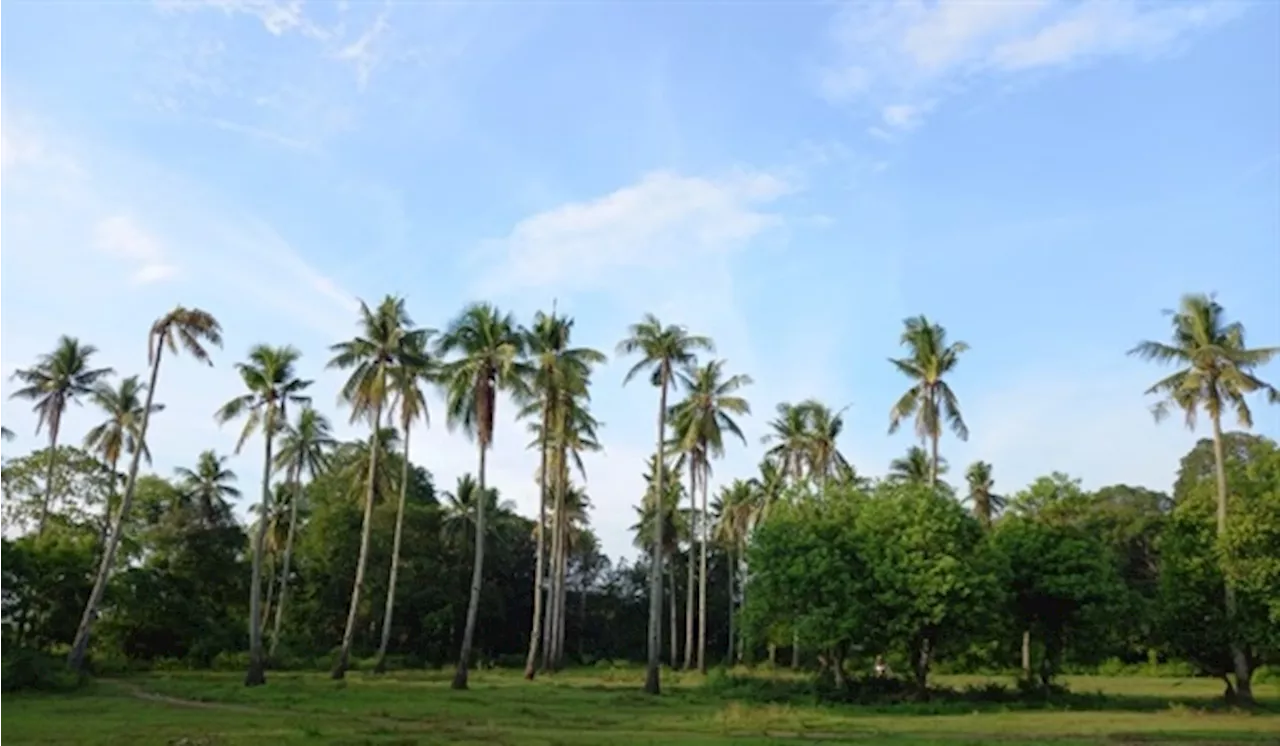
205, 490
700, 423
485, 351
386, 339
193, 329
930, 399
119, 432
663, 350
559, 374
273, 384
57, 379
915, 467
304, 447
410, 404
986, 504
1216, 373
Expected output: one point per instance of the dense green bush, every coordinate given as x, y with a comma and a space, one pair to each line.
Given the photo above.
34, 670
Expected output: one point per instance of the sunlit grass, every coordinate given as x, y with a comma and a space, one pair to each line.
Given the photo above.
591, 706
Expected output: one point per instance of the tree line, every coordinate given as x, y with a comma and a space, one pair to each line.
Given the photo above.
814, 557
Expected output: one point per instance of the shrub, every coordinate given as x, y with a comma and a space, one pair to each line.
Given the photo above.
33, 670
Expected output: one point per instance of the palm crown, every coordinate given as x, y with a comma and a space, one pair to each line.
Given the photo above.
208, 487
271, 378
122, 430
58, 379
489, 347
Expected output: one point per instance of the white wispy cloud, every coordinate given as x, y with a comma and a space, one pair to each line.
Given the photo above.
899, 57
121, 236
278, 17
662, 219
364, 53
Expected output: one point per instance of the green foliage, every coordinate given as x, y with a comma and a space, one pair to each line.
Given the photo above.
35, 670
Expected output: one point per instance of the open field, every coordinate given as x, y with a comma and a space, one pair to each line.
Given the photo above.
590, 707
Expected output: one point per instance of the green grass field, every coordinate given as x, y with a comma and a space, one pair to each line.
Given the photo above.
602, 707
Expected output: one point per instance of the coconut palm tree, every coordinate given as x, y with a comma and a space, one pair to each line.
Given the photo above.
789, 440
304, 447
700, 423
205, 490
120, 432
1216, 373
986, 504
559, 376
386, 339
272, 382
915, 467
825, 459
663, 350
57, 379
662, 517
734, 509
930, 398
485, 351
409, 404
194, 330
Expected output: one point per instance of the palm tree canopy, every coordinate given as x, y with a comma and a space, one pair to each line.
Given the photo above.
415, 367
122, 430
271, 378
981, 486
355, 473
208, 487
459, 506
914, 467
931, 400
307, 443
1216, 365
663, 349
706, 414
387, 340
57, 379
191, 328
487, 348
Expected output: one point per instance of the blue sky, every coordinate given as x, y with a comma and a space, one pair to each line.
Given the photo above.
792, 179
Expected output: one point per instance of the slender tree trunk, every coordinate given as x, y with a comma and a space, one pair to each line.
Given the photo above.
1239, 655
50, 472
560, 531
702, 575
742, 598
353, 612
75, 659
256, 675
271, 588
477, 578
675, 610
381, 665
652, 674
295, 480
1026, 654
692, 578
933, 464
732, 567
562, 606
105, 536
535, 633
795, 649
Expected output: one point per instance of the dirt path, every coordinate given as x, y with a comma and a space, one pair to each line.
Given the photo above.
138, 692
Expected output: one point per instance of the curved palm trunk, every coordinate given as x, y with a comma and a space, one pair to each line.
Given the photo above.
256, 675
477, 578
50, 471
652, 674
111, 498
75, 659
296, 480
1239, 656
381, 664
702, 577
692, 580
348, 635
535, 632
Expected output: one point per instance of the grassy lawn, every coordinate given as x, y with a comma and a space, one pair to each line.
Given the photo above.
589, 707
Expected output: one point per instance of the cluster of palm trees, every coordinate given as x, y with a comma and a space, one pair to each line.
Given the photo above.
484, 353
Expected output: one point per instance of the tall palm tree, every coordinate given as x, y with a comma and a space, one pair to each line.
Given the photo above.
700, 423
663, 350
57, 379
575, 433
661, 517
304, 447
385, 341
916, 467
194, 329
205, 490
120, 432
986, 504
272, 382
559, 376
930, 398
734, 509
824, 426
409, 404
485, 352
1216, 373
